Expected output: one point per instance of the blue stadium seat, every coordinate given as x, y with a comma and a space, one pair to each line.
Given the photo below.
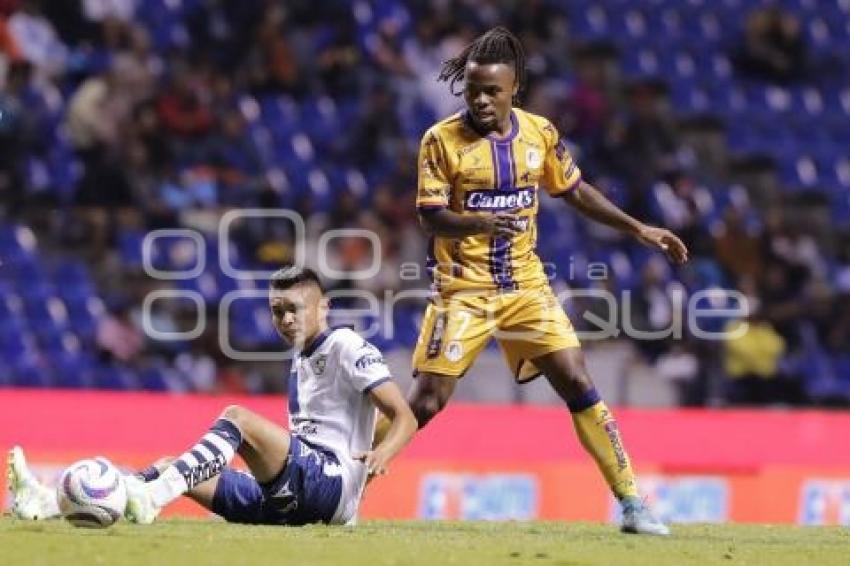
837, 102
280, 114
207, 284
841, 368
153, 379
30, 375
29, 271
841, 208
591, 22
73, 371
11, 305
663, 23
57, 343
618, 265
800, 173
320, 121
405, 325
250, 324
65, 171
71, 272
642, 62
112, 377
263, 141
16, 239
130, 248
677, 63
47, 315
72, 280
5, 374
174, 253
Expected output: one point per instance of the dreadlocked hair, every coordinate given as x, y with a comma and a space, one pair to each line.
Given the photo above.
498, 45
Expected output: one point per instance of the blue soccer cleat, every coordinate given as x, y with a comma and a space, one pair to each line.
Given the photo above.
638, 519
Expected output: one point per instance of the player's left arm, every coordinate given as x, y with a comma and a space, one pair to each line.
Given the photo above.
562, 178
588, 200
390, 402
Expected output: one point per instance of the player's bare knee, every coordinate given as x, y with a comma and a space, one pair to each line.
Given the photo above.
427, 404
570, 382
235, 414
424, 412
578, 379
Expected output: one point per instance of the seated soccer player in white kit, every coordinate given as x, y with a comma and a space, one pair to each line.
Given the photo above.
315, 472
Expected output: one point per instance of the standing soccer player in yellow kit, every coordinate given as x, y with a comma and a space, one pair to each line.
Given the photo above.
480, 174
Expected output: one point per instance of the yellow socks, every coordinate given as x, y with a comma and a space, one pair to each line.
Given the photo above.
598, 433
597, 430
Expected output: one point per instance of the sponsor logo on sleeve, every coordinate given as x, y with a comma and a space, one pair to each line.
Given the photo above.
367, 360
533, 158
561, 150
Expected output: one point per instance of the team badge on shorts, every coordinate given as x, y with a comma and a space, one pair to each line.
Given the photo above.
454, 351
533, 158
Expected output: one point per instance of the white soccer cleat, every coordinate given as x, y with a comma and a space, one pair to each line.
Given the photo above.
638, 519
140, 506
30, 499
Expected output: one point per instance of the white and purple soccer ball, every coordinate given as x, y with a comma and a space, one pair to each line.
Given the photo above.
92, 493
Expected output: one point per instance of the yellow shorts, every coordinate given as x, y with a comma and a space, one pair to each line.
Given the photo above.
526, 324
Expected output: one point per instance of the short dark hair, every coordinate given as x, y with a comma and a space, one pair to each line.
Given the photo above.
291, 275
497, 45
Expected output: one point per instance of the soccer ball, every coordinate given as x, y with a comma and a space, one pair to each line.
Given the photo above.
92, 493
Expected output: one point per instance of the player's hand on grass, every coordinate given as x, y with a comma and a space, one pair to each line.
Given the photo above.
505, 224
375, 461
665, 240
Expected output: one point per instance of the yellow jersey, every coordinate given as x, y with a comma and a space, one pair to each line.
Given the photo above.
470, 173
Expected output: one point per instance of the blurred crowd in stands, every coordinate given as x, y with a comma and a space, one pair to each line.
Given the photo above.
118, 117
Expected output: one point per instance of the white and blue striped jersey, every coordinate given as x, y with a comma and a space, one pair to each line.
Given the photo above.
329, 403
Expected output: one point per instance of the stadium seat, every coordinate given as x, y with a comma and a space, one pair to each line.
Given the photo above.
130, 248
30, 375
83, 314
591, 22
49, 311
11, 305
841, 207
406, 325
5, 375
115, 378
206, 284
153, 379
48, 314
57, 343
72, 371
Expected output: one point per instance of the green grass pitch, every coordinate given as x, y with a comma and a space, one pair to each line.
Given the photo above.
375, 543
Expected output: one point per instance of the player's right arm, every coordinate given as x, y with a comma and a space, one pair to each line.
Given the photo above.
444, 222
433, 194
